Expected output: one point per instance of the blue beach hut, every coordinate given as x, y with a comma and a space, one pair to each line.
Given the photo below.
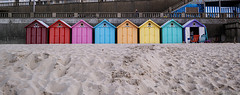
171, 32
104, 33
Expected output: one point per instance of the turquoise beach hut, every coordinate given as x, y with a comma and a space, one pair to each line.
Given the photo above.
171, 32
104, 33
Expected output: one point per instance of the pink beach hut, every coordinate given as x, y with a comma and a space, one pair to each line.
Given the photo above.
82, 33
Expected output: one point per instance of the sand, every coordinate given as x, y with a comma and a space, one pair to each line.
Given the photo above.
151, 69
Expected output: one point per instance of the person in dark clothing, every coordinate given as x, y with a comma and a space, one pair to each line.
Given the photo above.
234, 13
137, 14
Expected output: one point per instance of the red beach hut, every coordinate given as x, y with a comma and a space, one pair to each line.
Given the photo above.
59, 33
36, 32
82, 33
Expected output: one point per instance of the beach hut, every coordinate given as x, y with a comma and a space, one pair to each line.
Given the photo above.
127, 33
194, 31
149, 32
59, 33
82, 33
171, 32
36, 32
104, 33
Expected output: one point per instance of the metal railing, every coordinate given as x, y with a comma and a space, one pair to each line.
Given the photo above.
151, 15
198, 1
4, 15
42, 15
107, 15
64, 15
174, 7
120, 15
173, 15
21, 15
86, 15
129, 14
194, 15
52, 2
15, 4
222, 15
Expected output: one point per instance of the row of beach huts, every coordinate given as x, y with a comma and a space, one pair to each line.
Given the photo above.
127, 32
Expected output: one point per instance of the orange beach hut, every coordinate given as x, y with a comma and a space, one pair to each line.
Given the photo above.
127, 33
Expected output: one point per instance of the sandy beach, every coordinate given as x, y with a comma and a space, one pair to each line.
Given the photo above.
150, 69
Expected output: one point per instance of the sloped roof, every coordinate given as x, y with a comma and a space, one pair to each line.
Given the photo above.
81, 22
170, 22
128, 22
44, 24
39, 21
69, 26
103, 22
194, 20
151, 22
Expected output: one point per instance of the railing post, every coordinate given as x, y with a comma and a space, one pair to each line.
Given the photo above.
15, 4
203, 15
31, 3
54, 14
75, 15
161, 15
97, 15
140, 14
64, 1
32, 15
48, 2
183, 15
119, 15
9, 15
224, 15
219, 15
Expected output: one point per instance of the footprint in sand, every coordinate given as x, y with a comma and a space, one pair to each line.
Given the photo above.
57, 87
67, 60
45, 55
9, 90
33, 61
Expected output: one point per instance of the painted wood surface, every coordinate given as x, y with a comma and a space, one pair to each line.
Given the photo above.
127, 33
171, 32
36, 33
104, 33
201, 32
187, 35
149, 32
193, 23
59, 33
82, 33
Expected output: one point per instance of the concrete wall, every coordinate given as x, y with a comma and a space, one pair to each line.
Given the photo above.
215, 31
117, 6
13, 32
232, 32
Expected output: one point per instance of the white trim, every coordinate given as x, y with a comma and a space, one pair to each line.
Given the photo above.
187, 35
44, 24
201, 32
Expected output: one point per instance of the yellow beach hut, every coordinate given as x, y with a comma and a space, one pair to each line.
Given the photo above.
127, 33
149, 32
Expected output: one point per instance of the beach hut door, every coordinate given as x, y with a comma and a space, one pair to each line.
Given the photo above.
201, 32
187, 34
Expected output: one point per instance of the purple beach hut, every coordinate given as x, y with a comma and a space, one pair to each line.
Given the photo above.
194, 31
82, 33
